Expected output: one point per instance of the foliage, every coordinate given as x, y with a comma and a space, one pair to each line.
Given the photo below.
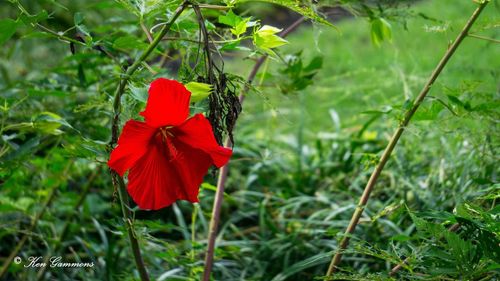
314, 122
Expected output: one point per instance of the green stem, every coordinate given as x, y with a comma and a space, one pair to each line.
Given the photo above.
59, 35
395, 138
136, 250
118, 182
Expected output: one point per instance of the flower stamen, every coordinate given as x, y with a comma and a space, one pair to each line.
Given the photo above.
166, 137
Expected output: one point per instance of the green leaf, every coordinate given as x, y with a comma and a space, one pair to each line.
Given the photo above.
268, 30
460, 104
7, 29
468, 211
240, 28
380, 30
266, 38
78, 18
209, 25
401, 238
139, 93
464, 252
199, 91
426, 227
49, 123
429, 111
32, 19
185, 25
315, 64
230, 19
297, 76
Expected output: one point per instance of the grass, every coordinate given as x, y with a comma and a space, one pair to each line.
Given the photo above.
358, 76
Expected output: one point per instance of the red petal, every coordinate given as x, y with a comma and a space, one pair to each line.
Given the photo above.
197, 133
132, 145
155, 182
168, 103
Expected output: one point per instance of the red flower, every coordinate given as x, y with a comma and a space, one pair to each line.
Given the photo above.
167, 155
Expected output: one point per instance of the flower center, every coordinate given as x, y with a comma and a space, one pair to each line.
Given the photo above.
166, 136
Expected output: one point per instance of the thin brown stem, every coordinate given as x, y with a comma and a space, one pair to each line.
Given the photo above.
117, 180
206, 43
221, 181
146, 31
395, 138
